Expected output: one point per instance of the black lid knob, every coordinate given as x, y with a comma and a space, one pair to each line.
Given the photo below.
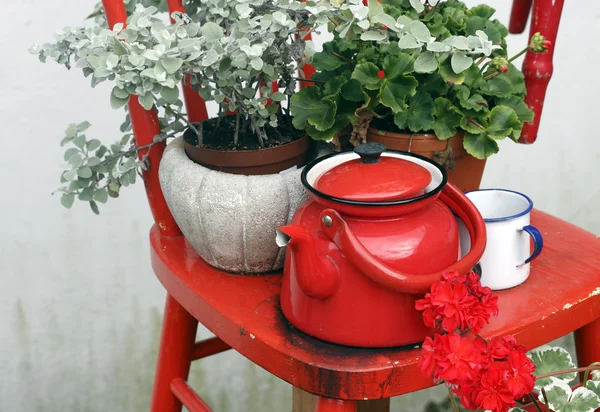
370, 152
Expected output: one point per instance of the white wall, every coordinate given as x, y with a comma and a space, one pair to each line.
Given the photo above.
80, 305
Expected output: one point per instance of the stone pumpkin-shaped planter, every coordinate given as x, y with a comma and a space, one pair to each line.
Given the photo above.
229, 219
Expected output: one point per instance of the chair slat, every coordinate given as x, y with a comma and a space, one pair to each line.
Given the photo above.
145, 127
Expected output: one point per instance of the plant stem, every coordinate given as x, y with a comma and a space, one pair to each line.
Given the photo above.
491, 76
453, 401
258, 132
586, 375
480, 61
519, 54
545, 400
341, 57
308, 80
200, 133
587, 368
535, 402
237, 129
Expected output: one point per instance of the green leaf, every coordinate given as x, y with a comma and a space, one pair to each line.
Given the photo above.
212, 31
524, 113
146, 101
461, 62
417, 5
118, 48
505, 84
479, 145
375, 8
352, 91
503, 120
421, 113
367, 75
170, 95
447, 119
420, 31
449, 75
594, 386
101, 195
483, 10
475, 102
562, 398
326, 60
117, 102
339, 125
172, 64
70, 152
393, 94
426, 63
67, 200
408, 41
334, 85
93, 144
278, 97
516, 410
86, 194
396, 64
471, 123
372, 35
83, 126
551, 359
84, 172
308, 106
94, 207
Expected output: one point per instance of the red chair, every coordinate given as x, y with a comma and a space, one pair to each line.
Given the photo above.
562, 294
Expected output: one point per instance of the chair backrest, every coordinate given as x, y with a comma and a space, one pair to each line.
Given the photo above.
146, 125
537, 67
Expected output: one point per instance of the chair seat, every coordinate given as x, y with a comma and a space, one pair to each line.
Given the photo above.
561, 295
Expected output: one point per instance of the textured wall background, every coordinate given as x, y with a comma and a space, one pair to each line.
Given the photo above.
80, 306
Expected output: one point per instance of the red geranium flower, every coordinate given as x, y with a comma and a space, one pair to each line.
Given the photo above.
519, 378
493, 394
458, 359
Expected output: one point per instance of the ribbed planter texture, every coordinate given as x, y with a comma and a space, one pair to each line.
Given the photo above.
467, 171
229, 219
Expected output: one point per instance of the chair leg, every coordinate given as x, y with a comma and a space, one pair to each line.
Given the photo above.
587, 343
335, 405
174, 356
307, 402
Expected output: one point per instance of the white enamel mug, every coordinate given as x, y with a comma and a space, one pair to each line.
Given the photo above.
505, 262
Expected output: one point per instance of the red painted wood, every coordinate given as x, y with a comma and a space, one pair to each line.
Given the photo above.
174, 356
145, 127
335, 405
209, 347
561, 295
188, 397
538, 67
194, 104
587, 343
519, 16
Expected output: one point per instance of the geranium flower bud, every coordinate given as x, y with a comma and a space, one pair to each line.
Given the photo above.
381, 74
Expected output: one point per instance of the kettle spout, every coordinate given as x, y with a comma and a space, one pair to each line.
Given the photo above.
315, 273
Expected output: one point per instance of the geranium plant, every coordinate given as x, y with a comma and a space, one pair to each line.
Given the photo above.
493, 374
414, 66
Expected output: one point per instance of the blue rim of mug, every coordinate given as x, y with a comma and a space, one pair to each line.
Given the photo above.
505, 218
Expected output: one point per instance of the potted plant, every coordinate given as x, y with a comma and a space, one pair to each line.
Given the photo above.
243, 56
430, 77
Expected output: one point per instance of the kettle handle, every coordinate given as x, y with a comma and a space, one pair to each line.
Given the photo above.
338, 231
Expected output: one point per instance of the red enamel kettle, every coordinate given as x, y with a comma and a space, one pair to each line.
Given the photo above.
377, 232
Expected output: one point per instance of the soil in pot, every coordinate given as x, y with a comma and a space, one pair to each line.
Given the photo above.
284, 148
464, 171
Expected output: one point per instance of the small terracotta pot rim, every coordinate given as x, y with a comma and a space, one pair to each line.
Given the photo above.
298, 141
381, 132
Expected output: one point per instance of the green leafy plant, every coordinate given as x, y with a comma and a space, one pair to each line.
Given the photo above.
407, 66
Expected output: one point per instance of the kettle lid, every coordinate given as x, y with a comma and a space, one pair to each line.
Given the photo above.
374, 178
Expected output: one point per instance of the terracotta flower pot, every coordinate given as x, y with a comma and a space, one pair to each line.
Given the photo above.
467, 171
252, 162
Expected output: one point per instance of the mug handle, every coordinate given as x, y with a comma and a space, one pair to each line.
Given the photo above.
538, 243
